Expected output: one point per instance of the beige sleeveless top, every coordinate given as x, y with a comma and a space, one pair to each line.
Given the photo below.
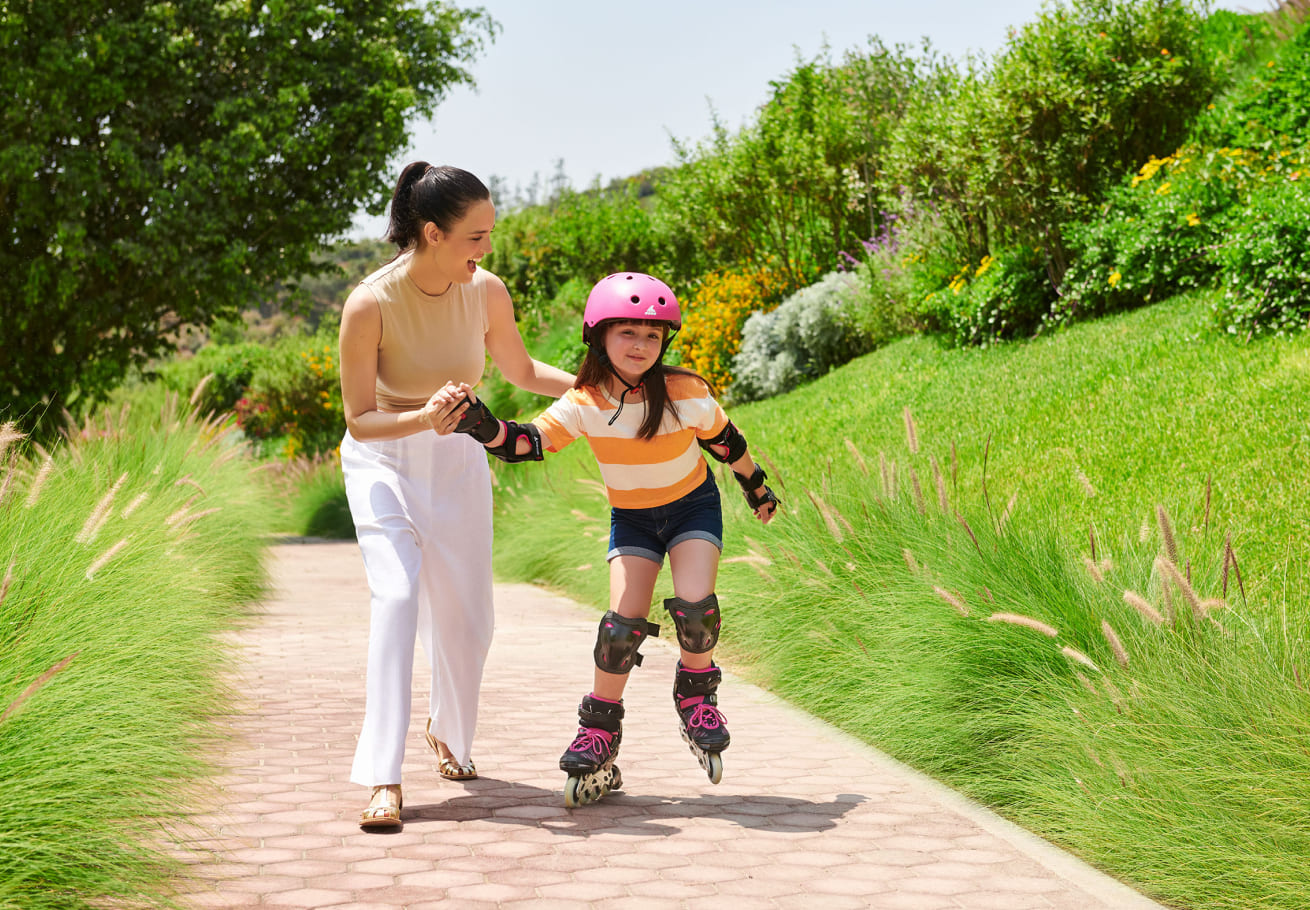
427, 340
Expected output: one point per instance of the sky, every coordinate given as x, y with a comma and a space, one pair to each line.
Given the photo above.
605, 85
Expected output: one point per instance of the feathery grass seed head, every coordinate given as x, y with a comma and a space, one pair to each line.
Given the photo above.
911, 432
100, 514
1094, 570
42, 475
941, 486
859, 458
35, 685
1167, 533
8, 580
1170, 569
910, 562
103, 559
953, 599
828, 515
1075, 655
1120, 653
1027, 622
1139, 603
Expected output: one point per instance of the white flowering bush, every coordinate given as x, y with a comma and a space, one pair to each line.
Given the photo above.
814, 330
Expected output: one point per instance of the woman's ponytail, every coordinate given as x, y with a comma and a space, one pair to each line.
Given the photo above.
425, 193
403, 227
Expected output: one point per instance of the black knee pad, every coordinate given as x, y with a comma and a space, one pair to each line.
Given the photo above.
617, 640
697, 623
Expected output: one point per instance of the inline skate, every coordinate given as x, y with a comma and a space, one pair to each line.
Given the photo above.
589, 759
701, 723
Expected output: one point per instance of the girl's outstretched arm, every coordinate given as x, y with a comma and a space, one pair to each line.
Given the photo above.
750, 477
509, 441
729, 447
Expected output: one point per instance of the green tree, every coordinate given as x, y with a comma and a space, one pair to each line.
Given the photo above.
583, 235
784, 189
1083, 94
166, 163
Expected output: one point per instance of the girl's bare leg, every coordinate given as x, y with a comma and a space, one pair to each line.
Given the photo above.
632, 584
695, 567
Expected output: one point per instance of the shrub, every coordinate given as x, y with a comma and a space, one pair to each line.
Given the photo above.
1002, 298
903, 268
714, 312
814, 330
230, 368
293, 402
1265, 264
558, 342
577, 236
1158, 231
936, 178
1080, 95
784, 189
1271, 105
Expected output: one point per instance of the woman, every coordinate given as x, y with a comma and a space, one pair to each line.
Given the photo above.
420, 495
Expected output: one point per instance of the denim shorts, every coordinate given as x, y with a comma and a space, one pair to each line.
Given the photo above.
650, 533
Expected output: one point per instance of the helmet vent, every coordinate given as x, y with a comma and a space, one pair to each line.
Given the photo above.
636, 299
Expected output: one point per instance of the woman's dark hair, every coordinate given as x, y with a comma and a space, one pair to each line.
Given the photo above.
595, 370
427, 193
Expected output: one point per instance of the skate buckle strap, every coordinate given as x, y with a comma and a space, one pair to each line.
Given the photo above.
706, 716
591, 739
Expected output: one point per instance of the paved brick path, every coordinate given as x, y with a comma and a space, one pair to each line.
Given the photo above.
805, 817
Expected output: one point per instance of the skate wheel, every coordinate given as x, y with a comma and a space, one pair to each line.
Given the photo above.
616, 782
714, 767
572, 795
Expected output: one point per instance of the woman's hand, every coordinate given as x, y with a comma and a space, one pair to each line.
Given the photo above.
446, 406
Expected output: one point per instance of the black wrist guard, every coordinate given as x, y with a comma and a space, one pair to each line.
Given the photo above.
750, 484
478, 422
507, 451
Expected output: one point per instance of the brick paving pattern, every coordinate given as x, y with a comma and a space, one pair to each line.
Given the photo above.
805, 816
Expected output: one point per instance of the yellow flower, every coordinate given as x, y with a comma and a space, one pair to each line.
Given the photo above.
1193, 220
1164, 51
1115, 278
1270, 64
1163, 189
984, 265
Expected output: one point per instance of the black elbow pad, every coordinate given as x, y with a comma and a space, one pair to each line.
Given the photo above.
731, 438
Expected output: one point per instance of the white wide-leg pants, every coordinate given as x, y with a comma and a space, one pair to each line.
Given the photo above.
422, 512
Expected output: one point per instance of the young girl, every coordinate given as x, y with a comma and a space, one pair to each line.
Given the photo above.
646, 423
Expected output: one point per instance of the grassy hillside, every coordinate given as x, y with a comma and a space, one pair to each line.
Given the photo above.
1065, 576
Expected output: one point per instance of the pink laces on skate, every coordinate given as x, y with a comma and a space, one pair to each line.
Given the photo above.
591, 739
707, 717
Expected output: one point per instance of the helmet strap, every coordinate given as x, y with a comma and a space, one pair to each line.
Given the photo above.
627, 386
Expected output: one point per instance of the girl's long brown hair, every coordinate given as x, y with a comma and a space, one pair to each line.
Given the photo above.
595, 370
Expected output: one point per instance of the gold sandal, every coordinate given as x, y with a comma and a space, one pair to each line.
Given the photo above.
447, 767
383, 808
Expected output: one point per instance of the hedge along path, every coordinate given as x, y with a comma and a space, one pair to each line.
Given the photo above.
804, 815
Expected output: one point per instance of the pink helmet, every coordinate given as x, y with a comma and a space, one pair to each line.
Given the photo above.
630, 295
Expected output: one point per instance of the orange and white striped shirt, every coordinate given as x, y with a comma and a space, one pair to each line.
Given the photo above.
639, 473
